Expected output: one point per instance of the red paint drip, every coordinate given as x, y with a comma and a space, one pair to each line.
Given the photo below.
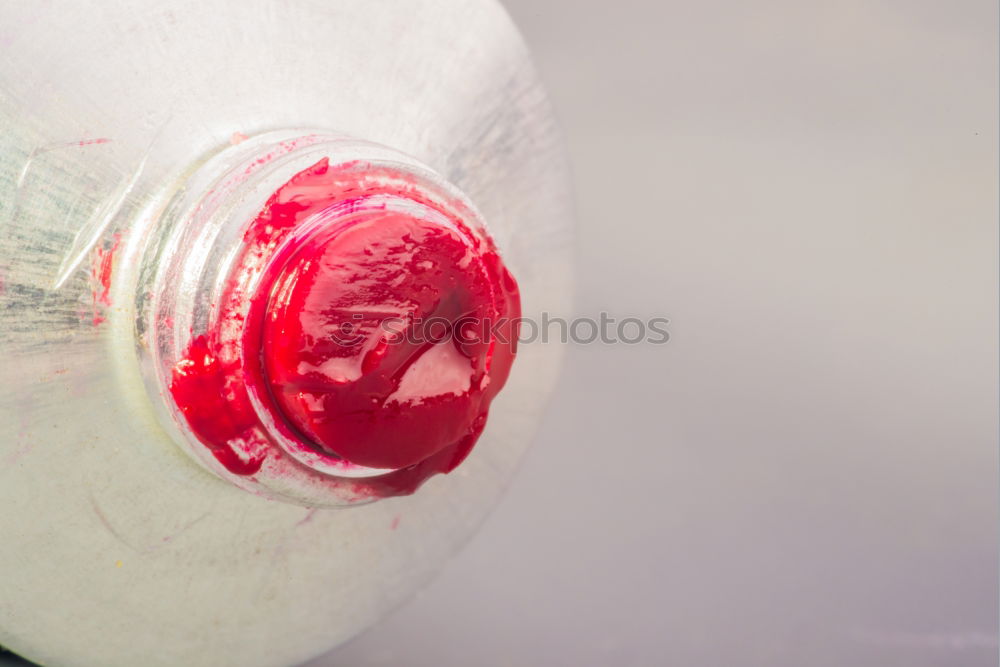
336, 340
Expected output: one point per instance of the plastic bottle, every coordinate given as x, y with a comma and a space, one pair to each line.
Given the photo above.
139, 142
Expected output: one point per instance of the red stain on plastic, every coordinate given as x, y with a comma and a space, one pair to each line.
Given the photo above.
307, 518
339, 340
91, 142
100, 271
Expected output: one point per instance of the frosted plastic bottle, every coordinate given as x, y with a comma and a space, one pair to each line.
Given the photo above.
137, 143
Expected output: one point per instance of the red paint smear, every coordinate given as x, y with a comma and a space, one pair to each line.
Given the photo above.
100, 271
271, 345
217, 409
90, 142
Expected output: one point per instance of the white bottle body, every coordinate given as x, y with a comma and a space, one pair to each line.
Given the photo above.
118, 548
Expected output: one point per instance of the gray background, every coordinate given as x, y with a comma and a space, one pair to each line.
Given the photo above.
807, 473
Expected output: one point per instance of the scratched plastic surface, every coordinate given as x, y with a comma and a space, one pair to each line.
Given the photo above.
117, 548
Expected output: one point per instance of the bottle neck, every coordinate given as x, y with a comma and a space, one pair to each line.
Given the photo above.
285, 277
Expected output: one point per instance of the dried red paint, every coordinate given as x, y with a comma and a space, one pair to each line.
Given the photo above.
90, 142
376, 400
100, 272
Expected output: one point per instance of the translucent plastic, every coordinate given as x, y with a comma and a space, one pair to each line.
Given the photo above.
123, 549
